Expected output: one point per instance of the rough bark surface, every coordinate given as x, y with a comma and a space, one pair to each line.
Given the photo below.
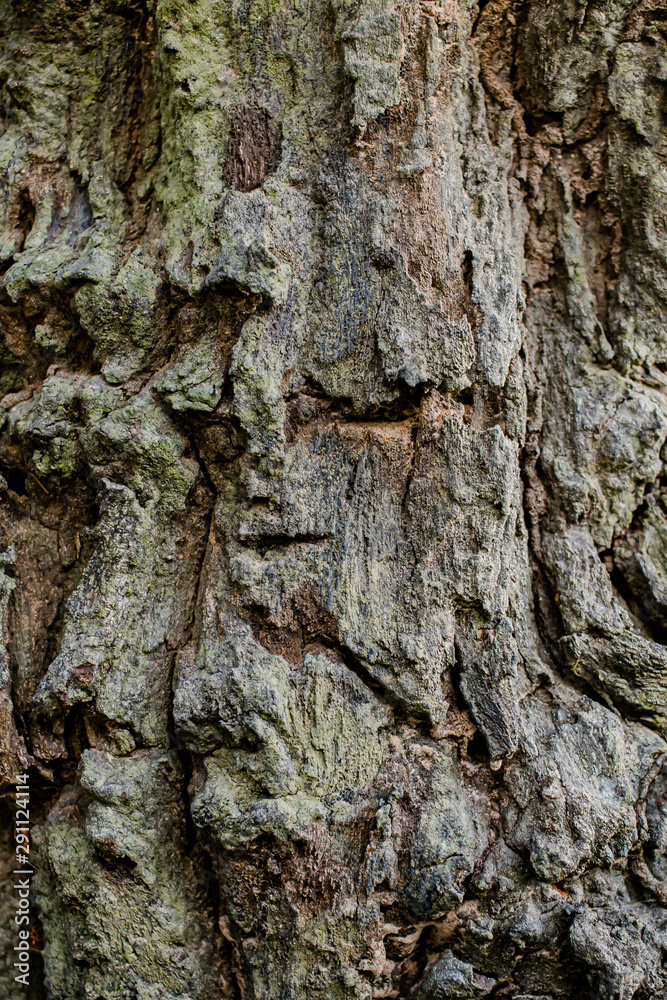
333, 514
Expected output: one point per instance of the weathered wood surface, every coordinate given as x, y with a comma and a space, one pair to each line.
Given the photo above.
334, 518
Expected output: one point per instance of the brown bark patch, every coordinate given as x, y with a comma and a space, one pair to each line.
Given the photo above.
255, 147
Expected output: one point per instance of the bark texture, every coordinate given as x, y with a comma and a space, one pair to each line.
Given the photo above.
334, 514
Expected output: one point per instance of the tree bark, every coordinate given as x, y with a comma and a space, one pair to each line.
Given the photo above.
333, 555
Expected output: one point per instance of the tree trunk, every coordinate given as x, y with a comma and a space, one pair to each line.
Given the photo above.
333, 555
